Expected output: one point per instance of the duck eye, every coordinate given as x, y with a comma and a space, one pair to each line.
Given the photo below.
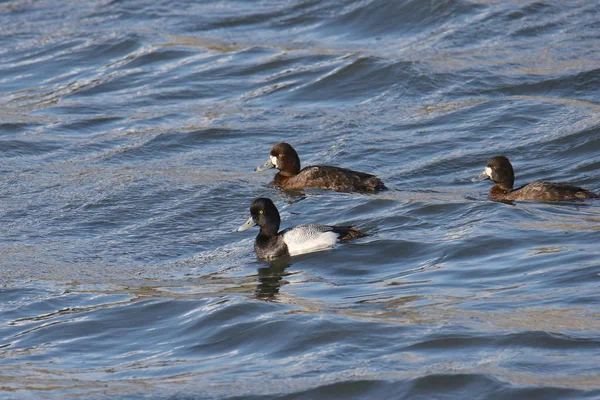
280, 155
261, 212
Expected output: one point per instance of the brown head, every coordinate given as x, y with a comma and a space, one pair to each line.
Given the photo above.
501, 172
284, 158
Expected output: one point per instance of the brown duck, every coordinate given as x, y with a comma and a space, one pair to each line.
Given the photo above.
291, 177
500, 171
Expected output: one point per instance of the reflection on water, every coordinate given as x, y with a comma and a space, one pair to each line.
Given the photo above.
271, 278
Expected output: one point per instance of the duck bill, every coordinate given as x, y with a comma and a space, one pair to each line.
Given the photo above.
247, 225
268, 165
482, 177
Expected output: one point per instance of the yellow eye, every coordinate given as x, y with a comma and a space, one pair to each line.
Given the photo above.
280, 155
261, 212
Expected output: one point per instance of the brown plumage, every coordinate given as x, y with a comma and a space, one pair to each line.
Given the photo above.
291, 177
500, 171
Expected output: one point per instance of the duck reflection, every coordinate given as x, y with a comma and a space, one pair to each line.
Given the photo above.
270, 279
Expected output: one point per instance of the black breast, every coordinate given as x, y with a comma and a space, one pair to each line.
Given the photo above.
268, 247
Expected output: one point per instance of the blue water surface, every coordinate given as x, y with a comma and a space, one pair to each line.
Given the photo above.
129, 132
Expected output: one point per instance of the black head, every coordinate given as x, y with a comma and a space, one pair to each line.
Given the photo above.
500, 170
285, 159
265, 214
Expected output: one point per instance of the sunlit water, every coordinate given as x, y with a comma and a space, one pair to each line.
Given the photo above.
129, 132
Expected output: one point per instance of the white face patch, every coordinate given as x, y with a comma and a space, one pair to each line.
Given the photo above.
488, 172
274, 160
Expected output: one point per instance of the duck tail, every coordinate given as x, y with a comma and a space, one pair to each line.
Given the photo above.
586, 194
348, 233
375, 185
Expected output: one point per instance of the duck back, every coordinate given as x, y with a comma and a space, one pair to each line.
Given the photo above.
330, 178
549, 191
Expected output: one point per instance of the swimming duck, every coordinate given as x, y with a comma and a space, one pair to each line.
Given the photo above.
500, 171
292, 241
291, 177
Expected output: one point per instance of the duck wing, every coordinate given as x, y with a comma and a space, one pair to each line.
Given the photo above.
312, 237
336, 178
553, 191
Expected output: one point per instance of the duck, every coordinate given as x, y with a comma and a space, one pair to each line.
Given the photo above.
290, 177
300, 239
499, 170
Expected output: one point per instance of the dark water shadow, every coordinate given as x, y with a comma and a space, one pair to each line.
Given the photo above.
270, 279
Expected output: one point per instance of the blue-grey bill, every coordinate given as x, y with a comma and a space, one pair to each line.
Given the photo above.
264, 166
481, 177
247, 225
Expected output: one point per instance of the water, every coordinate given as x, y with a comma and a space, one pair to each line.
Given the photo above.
128, 136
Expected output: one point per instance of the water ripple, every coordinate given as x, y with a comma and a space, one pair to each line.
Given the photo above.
129, 133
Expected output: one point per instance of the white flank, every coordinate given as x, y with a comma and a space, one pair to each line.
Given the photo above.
302, 240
